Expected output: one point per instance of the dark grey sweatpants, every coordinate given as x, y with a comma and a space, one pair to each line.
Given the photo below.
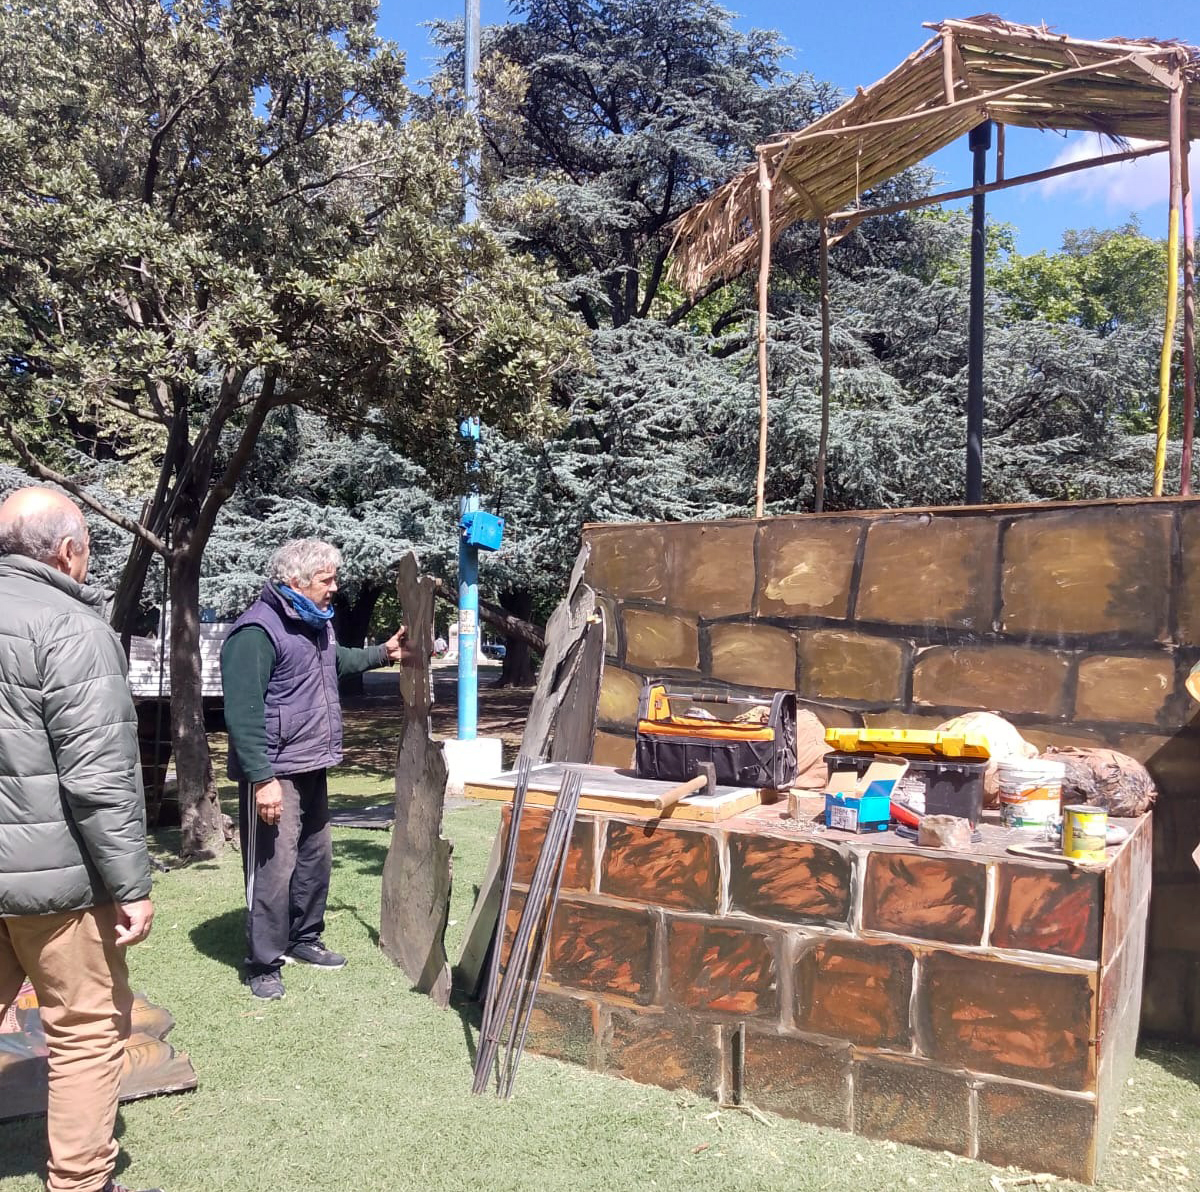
287, 867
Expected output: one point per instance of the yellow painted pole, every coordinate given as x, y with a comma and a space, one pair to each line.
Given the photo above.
764, 271
1175, 108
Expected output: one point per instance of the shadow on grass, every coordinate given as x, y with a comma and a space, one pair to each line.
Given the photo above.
1181, 1060
366, 855
371, 930
222, 938
23, 1148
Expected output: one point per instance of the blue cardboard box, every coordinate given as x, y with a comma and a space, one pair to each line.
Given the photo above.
855, 804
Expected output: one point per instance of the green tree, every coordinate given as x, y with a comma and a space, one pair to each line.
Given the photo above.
1100, 280
209, 210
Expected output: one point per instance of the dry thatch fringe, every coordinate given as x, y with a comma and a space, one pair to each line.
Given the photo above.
1015, 74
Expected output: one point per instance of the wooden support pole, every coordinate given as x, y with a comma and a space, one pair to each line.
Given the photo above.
764, 270
1189, 305
948, 65
1174, 131
823, 446
999, 152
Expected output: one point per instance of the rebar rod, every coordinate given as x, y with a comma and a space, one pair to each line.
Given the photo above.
524, 1012
524, 767
518, 952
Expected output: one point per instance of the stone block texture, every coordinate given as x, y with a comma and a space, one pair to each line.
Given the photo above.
943, 1001
1078, 622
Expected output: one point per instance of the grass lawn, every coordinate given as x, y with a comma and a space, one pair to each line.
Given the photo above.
354, 1081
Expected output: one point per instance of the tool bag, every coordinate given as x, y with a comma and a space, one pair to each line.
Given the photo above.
758, 752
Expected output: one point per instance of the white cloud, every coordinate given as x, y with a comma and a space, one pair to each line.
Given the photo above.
1122, 186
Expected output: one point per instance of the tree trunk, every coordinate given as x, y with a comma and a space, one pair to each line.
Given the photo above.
351, 621
199, 807
518, 658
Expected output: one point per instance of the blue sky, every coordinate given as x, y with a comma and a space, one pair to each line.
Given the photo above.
855, 47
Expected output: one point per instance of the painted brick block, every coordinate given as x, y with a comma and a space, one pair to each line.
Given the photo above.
564, 1028
798, 1078
922, 570
933, 898
913, 1103
1088, 571
611, 749
1002, 678
620, 691
1127, 884
753, 655
668, 1050
796, 881
838, 664
1187, 602
1123, 687
854, 990
603, 949
723, 969
713, 568
805, 566
1008, 1019
577, 874
657, 863
655, 640
1039, 909
628, 562
1035, 1129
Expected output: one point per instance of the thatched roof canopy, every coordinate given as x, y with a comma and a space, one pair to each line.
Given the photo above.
971, 70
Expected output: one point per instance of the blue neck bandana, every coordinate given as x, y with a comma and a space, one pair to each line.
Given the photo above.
305, 609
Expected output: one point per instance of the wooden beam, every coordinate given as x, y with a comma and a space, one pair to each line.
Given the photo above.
1174, 136
969, 191
764, 269
980, 101
999, 152
1189, 304
823, 445
948, 64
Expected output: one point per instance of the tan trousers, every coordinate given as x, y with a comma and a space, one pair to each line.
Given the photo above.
82, 987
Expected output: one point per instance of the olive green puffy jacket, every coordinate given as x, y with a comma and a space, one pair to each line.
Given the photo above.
72, 813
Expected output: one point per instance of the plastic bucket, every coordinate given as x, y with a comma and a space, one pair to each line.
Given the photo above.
1030, 791
1084, 831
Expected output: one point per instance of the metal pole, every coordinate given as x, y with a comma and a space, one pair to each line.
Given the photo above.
980, 140
471, 104
468, 556
468, 604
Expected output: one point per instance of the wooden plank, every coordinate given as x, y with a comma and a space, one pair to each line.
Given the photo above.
575, 725
620, 793
416, 872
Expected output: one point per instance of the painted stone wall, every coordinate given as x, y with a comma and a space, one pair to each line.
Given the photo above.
978, 1004
1077, 622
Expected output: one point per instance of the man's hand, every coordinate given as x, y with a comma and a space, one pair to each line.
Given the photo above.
397, 647
268, 798
133, 922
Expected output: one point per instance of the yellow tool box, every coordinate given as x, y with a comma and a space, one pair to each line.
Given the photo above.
749, 737
911, 742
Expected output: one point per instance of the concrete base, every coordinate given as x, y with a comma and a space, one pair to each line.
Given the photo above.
469, 761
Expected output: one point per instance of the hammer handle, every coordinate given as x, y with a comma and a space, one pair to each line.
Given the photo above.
668, 800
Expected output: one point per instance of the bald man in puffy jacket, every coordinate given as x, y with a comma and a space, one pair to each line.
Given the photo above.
74, 870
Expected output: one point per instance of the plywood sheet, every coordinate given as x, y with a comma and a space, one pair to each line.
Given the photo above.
618, 792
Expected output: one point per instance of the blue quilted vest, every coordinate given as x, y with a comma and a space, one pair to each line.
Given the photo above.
303, 713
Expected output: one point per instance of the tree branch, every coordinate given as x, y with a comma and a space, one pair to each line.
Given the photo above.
495, 616
117, 519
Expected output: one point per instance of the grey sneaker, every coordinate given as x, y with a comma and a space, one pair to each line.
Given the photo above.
267, 986
314, 952
111, 1187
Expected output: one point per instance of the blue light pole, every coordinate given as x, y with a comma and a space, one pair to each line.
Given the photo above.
468, 596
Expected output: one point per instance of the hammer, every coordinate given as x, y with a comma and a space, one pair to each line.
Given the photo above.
705, 783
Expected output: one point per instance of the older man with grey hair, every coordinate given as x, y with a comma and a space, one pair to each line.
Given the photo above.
280, 668
74, 870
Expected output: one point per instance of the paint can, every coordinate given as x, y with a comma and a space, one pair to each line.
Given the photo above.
1084, 831
1030, 791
